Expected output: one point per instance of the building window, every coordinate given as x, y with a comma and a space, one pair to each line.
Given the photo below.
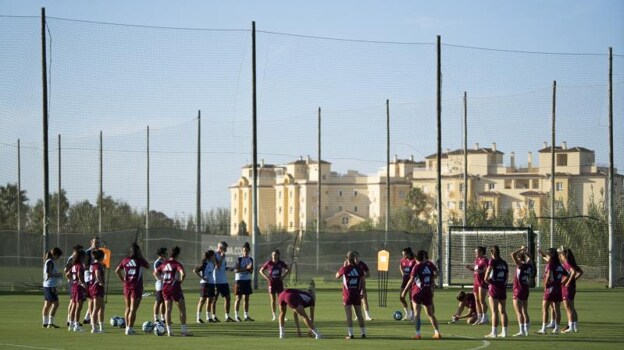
235, 225
535, 184
279, 210
355, 209
461, 205
340, 208
491, 186
290, 210
559, 205
425, 189
558, 186
234, 196
245, 211
451, 205
323, 177
279, 195
292, 225
488, 205
339, 193
449, 187
522, 184
402, 194
562, 160
290, 195
531, 204
234, 211
245, 195
461, 188
354, 193
345, 220
507, 184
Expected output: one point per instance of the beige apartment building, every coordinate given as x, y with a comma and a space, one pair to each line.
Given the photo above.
287, 194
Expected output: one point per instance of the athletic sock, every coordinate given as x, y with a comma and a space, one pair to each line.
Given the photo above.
246, 314
208, 316
236, 315
156, 318
494, 330
504, 332
350, 331
574, 326
45, 320
363, 330
183, 328
199, 316
50, 319
168, 329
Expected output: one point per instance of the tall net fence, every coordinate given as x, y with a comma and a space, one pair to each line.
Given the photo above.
127, 104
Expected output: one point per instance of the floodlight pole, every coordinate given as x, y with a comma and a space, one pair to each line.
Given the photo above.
318, 190
46, 166
147, 182
465, 159
254, 118
552, 168
611, 176
439, 161
387, 173
198, 195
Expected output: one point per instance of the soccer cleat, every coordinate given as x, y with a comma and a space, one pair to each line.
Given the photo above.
52, 325
45, 325
238, 319
131, 332
416, 337
349, 337
550, 325
210, 320
249, 319
199, 320
215, 319
78, 329
491, 335
229, 319
541, 331
368, 318
519, 334
568, 330
281, 336
318, 336
555, 331
363, 336
273, 319
437, 336
86, 321
186, 334
96, 331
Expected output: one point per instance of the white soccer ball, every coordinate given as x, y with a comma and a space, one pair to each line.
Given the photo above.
147, 327
398, 315
114, 321
159, 329
121, 322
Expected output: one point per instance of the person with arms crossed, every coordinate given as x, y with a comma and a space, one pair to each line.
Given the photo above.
172, 275
421, 284
277, 271
352, 279
50, 294
130, 274
205, 272
298, 301
496, 274
159, 304
242, 279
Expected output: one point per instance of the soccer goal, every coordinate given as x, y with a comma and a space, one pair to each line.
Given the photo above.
462, 241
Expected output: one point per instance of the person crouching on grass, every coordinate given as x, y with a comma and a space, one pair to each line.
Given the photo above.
298, 301
497, 273
468, 301
50, 294
172, 275
96, 292
352, 279
421, 285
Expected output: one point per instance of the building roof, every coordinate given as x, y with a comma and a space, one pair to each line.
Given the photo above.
460, 151
561, 149
305, 161
490, 194
532, 193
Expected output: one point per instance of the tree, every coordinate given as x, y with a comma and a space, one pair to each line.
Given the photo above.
9, 202
216, 221
36, 215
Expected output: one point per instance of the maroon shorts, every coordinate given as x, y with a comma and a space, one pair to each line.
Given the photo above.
292, 300
133, 292
276, 286
568, 293
521, 294
553, 293
351, 297
498, 291
78, 293
173, 293
423, 297
404, 282
96, 291
88, 290
477, 287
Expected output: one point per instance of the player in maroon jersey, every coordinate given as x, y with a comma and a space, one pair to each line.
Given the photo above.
66, 270
574, 272
276, 272
362, 265
525, 271
352, 278
553, 275
420, 285
78, 295
130, 274
298, 301
479, 285
496, 274
468, 301
96, 291
172, 275
406, 265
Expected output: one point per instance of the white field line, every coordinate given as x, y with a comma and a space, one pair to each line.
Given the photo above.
28, 347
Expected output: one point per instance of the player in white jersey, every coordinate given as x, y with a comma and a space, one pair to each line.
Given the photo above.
50, 294
221, 283
242, 287
205, 271
159, 305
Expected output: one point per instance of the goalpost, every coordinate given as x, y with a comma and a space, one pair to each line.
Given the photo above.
461, 242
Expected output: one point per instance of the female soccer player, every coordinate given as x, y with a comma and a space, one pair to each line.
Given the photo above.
406, 265
421, 285
362, 265
524, 272
497, 273
205, 272
352, 277
66, 270
479, 285
553, 275
574, 272
78, 295
172, 275
130, 274
50, 294
466, 300
221, 283
96, 291
159, 305
242, 282
297, 300
277, 271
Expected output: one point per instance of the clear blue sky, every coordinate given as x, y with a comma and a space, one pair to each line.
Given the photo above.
350, 79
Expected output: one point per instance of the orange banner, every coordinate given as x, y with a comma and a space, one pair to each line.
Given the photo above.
107, 257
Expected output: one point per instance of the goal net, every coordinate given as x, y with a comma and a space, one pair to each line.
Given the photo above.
462, 241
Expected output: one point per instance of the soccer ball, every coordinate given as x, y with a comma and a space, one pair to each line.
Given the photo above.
159, 329
121, 322
398, 315
114, 321
147, 327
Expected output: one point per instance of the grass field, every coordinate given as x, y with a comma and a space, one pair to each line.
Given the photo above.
600, 313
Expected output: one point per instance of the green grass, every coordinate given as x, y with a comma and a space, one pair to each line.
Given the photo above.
600, 313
